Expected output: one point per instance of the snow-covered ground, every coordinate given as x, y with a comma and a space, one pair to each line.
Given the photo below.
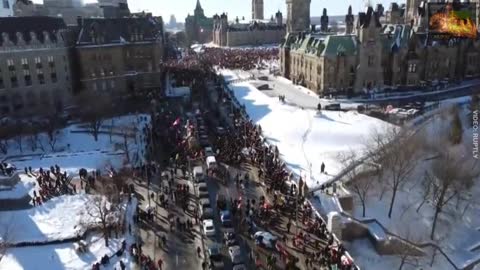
458, 226
305, 138
75, 148
64, 256
60, 218
65, 217
26, 185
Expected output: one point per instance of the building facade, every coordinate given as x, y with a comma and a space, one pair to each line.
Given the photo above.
255, 32
6, 8
120, 55
298, 15
35, 74
198, 27
69, 10
376, 56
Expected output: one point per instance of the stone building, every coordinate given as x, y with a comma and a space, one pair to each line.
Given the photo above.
198, 27
6, 8
67, 9
114, 8
255, 32
298, 15
376, 56
35, 65
257, 9
120, 55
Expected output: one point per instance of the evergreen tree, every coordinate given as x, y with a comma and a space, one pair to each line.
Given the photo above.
456, 129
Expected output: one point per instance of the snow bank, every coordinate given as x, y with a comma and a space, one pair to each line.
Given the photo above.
64, 256
25, 186
305, 138
57, 219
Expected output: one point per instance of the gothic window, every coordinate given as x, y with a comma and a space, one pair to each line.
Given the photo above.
6, 4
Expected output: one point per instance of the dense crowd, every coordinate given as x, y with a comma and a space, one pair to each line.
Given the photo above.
51, 183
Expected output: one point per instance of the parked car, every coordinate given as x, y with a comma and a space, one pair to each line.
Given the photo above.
202, 190
208, 227
333, 107
225, 216
235, 254
206, 211
204, 142
220, 131
215, 256
239, 267
265, 239
209, 152
198, 175
211, 162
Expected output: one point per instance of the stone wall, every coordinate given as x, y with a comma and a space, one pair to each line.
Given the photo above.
254, 37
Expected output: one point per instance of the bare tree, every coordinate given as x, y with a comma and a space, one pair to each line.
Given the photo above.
409, 253
53, 138
426, 187
358, 177
452, 175
94, 108
52, 124
394, 150
104, 208
6, 232
32, 141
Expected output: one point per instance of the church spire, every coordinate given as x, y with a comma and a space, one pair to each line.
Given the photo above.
198, 10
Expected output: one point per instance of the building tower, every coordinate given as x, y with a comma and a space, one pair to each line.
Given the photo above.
198, 12
279, 18
324, 21
257, 9
349, 21
298, 15
114, 8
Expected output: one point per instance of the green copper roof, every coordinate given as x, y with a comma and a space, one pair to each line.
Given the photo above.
335, 45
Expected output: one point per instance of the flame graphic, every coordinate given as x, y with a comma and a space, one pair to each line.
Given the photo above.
449, 22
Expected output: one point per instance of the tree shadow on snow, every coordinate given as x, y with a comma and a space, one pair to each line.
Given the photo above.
323, 116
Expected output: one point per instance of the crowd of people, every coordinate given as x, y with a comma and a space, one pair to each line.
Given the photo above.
245, 143
51, 183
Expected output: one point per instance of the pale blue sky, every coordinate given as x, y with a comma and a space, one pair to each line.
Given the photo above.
240, 7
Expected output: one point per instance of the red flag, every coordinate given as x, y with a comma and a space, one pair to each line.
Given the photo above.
177, 121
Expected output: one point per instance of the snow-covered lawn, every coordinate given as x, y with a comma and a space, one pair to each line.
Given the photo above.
305, 138
74, 149
25, 186
64, 256
60, 218
458, 225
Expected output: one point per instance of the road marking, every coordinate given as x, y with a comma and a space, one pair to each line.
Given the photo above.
176, 256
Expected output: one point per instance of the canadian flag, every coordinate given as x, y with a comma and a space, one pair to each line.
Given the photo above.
176, 122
